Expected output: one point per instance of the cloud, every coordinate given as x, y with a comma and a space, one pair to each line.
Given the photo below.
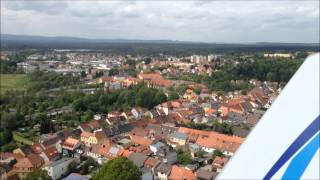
208, 21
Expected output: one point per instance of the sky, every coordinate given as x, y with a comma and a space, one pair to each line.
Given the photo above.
200, 21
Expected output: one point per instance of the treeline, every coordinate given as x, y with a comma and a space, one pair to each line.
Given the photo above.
120, 100
8, 67
41, 80
265, 70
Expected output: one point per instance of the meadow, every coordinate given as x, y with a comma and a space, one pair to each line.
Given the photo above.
9, 82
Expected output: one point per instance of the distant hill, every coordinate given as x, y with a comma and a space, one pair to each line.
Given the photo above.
11, 37
9, 41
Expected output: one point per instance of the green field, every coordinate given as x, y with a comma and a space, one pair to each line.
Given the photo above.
20, 139
13, 82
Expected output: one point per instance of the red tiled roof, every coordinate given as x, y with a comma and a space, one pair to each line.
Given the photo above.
150, 162
70, 143
221, 161
140, 140
36, 147
51, 152
213, 139
181, 173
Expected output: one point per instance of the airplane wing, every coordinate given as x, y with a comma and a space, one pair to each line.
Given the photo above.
285, 142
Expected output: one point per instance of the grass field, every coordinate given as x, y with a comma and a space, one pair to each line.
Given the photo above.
13, 82
18, 138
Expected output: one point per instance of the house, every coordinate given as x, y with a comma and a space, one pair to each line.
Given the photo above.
93, 151
104, 79
127, 115
157, 147
162, 171
177, 139
70, 147
236, 118
93, 138
98, 117
5, 172
194, 149
116, 120
130, 81
224, 110
91, 126
258, 95
150, 162
209, 141
50, 140
170, 157
36, 148
138, 159
138, 112
27, 164
219, 163
160, 131
153, 113
76, 176
25, 150
181, 173
138, 140
190, 95
154, 80
112, 152
58, 168
240, 132
50, 154
147, 176
139, 131
113, 85
206, 175
252, 119
124, 142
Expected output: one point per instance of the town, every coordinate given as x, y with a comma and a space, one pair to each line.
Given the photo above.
170, 117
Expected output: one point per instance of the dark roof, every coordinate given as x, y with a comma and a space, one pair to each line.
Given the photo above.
75, 176
162, 168
241, 132
26, 149
138, 159
206, 175
161, 130
124, 128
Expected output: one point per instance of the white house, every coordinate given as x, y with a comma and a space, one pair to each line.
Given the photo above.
156, 147
58, 168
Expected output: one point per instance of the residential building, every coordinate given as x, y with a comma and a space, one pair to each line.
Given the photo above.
58, 168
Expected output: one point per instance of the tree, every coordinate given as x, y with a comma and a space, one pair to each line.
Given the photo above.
5, 137
224, 128
73, 167
113, 71
38, 174
147, 61
173, 95
201, 153
181, 89
46, 126
197, 90
85, 167
217, 153
7, 121
119, 168
184, 157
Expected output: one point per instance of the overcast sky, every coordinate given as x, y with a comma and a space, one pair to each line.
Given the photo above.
217, 21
